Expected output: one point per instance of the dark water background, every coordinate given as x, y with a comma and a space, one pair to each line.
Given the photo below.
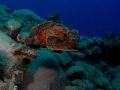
90, 17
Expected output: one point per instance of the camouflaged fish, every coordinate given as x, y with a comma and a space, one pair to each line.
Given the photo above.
54, 36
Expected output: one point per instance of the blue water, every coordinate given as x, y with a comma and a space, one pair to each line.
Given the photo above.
90, 17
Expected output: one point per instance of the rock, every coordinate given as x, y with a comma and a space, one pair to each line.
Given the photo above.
72, 88
13, 24
116, 81
94, 53
4, 10
64, 58
86, 42
27, 18
76, 72
2, 70
45, 58
83, 70
5, 41
26, 14
13, 27
1, 26
4, 18
4, 60
77, 56
103, 83
111, 48
17, 77
47, 79
3, 86
84, 84
7, 58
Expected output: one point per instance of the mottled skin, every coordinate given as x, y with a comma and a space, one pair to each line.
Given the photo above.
52, 35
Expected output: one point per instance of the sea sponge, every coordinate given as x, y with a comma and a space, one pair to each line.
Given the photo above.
47, 79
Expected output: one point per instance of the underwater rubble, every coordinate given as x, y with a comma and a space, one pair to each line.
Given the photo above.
82, 64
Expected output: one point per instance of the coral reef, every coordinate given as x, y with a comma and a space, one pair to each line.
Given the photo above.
24, 17
94, 66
